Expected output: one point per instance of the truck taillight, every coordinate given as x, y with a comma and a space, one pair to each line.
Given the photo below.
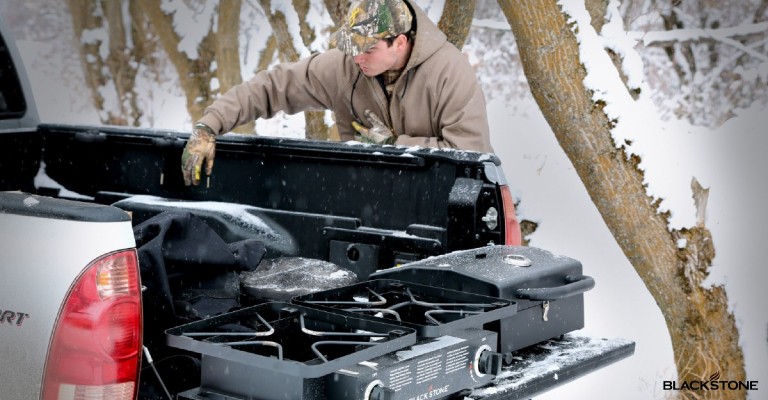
512, 234
95, 350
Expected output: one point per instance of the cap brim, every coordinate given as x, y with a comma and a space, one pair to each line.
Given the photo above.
351, 43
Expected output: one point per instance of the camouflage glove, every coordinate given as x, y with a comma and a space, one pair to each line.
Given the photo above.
200, 147
378, 133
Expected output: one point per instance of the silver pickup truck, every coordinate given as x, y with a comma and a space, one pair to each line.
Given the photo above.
70, 300
446, 302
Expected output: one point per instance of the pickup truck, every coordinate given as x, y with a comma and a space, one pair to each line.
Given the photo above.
75, 316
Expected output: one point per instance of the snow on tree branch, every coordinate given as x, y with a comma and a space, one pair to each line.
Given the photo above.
724, 35
685, 35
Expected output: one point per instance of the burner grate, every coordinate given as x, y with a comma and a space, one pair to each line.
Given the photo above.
292, 339
431, 311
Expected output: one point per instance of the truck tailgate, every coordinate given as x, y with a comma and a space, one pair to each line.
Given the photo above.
553, 363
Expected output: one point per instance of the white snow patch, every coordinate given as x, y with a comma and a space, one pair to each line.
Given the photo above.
42, 180
238, 212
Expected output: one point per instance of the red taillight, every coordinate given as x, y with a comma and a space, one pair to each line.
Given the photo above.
512, 234
96, 347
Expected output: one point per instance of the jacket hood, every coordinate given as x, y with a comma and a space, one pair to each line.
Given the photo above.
428, 40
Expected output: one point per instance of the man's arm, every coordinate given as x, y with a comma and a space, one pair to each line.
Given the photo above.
291, 87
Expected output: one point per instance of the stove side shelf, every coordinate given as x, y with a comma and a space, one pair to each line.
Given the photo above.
555, 362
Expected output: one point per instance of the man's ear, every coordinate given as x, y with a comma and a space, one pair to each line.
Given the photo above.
401, 40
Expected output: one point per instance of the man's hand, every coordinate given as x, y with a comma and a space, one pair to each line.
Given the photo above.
200, 147
378, 133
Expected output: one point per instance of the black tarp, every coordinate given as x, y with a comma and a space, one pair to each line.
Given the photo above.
189, 273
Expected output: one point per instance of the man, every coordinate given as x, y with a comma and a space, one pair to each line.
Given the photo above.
393, 78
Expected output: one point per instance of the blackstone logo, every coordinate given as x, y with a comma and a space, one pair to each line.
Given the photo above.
432, 393
714, 383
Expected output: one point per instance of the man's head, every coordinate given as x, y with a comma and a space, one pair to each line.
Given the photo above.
369, 22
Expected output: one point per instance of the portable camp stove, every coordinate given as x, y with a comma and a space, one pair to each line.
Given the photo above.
431, 329
386, 341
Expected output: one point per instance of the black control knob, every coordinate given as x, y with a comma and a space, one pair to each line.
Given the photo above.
489, 362
377, 391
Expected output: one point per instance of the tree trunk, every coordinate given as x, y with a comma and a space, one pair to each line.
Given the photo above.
84, 18
703, 332
116, 66
315, 120
337, 9
194, 75
457, 20
306, 31
268, 54
228, 52
316, 127
119, 62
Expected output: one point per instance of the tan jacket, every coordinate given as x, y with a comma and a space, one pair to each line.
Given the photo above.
437, 101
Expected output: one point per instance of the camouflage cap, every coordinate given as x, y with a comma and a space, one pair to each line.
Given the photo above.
369, 21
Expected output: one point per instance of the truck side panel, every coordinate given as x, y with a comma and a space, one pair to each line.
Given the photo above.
43, 251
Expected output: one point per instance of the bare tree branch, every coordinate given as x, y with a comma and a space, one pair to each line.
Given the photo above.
597, 10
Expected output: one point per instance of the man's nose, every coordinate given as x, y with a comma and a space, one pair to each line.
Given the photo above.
358, 58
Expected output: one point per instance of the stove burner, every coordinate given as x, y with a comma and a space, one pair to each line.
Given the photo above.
431, 311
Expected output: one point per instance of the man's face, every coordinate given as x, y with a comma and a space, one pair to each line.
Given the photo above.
378, 59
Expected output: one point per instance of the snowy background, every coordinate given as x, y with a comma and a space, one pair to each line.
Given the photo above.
726, 156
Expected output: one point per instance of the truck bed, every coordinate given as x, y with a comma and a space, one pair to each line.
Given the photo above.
398, 204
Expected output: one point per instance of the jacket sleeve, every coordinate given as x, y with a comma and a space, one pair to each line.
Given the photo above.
308, 84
